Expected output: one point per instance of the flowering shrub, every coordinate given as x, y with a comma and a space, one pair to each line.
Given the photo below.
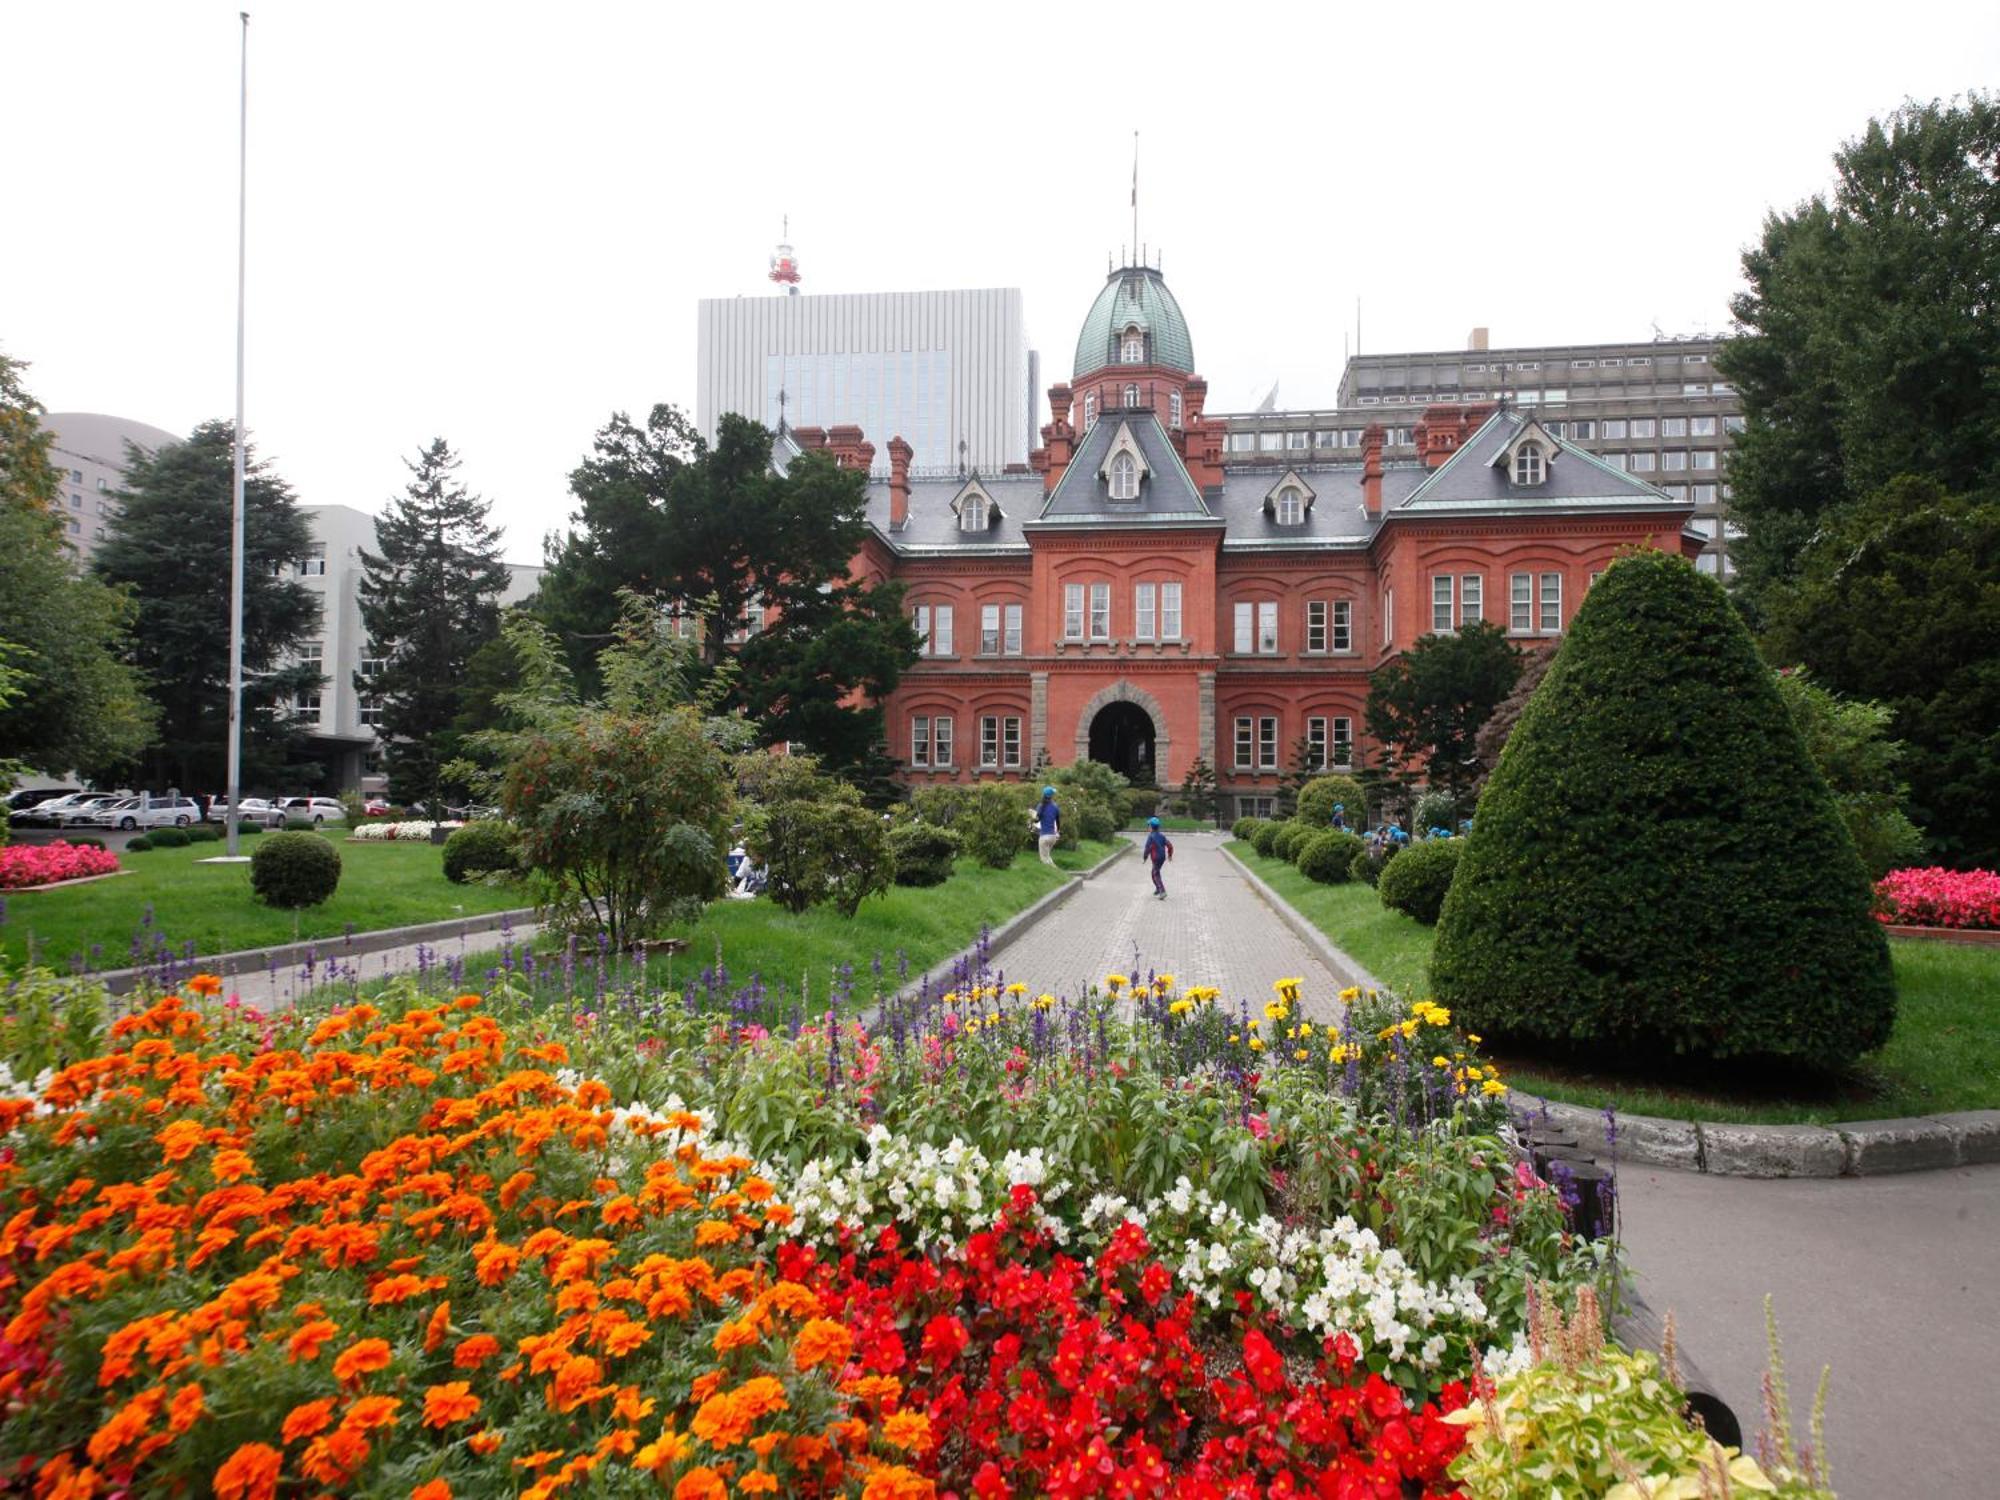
1937, 897
417, 830
45, 864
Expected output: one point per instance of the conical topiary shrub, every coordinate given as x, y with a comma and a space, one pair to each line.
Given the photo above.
1656, 863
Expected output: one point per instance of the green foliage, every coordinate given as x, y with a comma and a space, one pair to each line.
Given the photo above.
1264, 837
297, 825
1290, 836
1244, 828
923, 853
1140, 803
1609, 894
1868, 340
943, 805
1328, 855
30, 483
994, 825
488, 846
134, 846
1092, 798
169, 838
1198, 794
716, 535
170, 548
1417, 882
834, 852
769, 779
85, 841
1426, 707
291, 870
1303, 766
1435, 809
429, 602
1897, 599
204, 833
1319, 797
1849, 743
623, 804
1493, 734
1367, 866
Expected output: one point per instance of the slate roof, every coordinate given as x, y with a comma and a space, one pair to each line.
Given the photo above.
1136, 294
933, 525
1335, 519
1576, 480
1166, 493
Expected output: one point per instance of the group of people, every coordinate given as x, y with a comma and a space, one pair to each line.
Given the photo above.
1158, 849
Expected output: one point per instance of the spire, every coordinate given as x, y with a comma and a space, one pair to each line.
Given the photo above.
1135, 194
785, 261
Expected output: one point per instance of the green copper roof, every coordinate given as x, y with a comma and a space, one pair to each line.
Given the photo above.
1134, 297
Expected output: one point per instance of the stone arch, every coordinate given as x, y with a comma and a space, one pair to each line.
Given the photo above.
1123, 691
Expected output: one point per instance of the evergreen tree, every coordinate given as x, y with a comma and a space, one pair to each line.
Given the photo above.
1305, 765
170, 548
1198, 789
1426, 707
429, 602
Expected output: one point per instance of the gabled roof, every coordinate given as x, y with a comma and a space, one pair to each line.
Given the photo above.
1290, 478
933, 529
971, 489
1166, 493
1470, 480
1337, 520
783, 450
1530, 431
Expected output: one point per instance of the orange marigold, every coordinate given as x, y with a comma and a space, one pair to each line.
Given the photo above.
475, 1351
305, 1344
484, 1442
178, 1140
363, 1358
186, 1407
701, 1483
822, 1342
250, 1473
305, 1420
894, 1482
431, 1489
448, 1403
204, 984
737, 1334
757, 1483
438, 1327
908, 1430
371, 1412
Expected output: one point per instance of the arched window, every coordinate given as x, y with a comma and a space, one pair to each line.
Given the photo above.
1291, 507
1089, 410
1124, 478
1132, 348
1528, 464
973, 517
1131, 396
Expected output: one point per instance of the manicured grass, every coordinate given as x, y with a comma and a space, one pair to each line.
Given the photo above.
1172, 825
381, 885
1944, 1054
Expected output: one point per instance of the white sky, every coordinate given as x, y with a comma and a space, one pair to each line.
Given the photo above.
493, 221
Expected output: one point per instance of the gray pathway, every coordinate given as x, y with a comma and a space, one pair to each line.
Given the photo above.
1211, 929
336, 971
1893, 1281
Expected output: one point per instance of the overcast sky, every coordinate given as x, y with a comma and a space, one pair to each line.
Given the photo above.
492, 221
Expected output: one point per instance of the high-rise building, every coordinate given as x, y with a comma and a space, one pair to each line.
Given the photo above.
89, 452
949, 372
1655, 408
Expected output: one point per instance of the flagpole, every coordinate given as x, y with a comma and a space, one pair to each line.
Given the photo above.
235, 784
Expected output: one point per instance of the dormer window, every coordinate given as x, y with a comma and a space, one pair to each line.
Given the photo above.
1291, 507
1290, 500
1529, 467
973, 517
1131, 396
977, 510
1124, 477
1132, 348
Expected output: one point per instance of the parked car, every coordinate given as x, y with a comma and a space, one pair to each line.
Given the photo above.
314, 809
376, 807
138, 812
20, 802
52, 814
258, 810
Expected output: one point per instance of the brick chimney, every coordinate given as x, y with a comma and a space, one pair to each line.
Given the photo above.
900, 454
809, 439
1058, 438
845, 444
1194, 397
1371, 469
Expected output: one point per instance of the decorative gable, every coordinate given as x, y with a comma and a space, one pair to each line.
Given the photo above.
975, 508
1289, 500
1526, 456
1124, 469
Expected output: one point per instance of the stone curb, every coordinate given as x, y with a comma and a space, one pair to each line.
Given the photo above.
1007, 931
1344, 968
1848, 1148
284, 956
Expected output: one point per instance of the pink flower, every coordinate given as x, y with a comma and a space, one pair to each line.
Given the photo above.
1937, 897
1259, 1126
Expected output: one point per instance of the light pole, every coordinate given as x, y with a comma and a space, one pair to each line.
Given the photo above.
234, 788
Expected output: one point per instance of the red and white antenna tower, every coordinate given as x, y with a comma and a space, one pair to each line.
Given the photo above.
785, 262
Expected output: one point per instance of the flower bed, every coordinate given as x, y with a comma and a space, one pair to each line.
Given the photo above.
415, 830
48, 864
1937, 897
999, 1244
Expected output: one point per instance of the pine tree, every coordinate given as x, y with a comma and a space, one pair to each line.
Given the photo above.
1307, 762
429, 601
1198, 795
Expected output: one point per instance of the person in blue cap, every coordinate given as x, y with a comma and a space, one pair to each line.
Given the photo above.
1157, 852
1340, 816
1048, 826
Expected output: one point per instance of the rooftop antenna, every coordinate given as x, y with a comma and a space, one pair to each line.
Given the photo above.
1135, 191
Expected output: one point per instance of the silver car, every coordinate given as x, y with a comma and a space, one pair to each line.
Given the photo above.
138, 812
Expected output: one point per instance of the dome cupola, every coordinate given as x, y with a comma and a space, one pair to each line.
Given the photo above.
1134, 321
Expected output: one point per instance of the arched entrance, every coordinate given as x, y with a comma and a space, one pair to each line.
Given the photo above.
1122, 737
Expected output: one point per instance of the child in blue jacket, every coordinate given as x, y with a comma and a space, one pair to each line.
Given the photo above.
1157, 852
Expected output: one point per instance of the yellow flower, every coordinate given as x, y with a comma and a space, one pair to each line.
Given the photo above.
1017, 988
1470, 1037
1440, 1061
1235, 1036
1305, 1028
1180, 1007
1163, 982
1493, 1088
1299, 1053
1256, 1044
1351, 994
1045, 1001
1115, 982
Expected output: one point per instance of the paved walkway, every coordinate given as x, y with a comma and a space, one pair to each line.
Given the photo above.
1212, 929
335, 968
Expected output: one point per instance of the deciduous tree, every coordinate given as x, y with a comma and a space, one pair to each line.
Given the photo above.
29, 480
1425, 708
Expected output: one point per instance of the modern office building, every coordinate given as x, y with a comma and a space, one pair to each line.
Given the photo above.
89, 451
1654, 408
950, 372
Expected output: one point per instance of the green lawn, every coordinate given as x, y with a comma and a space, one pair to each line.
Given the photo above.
381, 885
1944, 1054
1172, 825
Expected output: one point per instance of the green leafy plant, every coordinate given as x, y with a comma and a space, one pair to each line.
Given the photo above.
923, 853
835, 853
1198, 797
1417, 883
1264, 837
1435, 809
1328, 856
1244, 828
1291, 834
292, 870
168, 838
139, 845
1319, 797
486, 847
994, 825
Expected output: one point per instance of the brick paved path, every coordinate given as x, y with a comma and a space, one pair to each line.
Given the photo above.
1212, 929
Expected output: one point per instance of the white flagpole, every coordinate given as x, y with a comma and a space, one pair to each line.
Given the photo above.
234, 788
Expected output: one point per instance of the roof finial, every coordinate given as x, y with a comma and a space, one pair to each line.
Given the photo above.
1135, 192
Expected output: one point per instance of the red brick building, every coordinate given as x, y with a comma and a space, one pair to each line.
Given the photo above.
1132, 597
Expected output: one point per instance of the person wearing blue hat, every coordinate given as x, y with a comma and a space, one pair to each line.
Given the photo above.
1048, 826
1157, 852
1340, 816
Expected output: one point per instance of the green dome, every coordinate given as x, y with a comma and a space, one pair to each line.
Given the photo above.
1135, 297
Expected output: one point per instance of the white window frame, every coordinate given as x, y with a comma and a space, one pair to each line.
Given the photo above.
1073, 617
920, 740
1316, 742
1318, 633
1124, 477
1267, 742
1246, 743
1173, 408
1443, 597
989, 742
1521, 604
989, 630
1010, 642
1244, 639
941, 746
1132, 349
1100, 611
1145, 601
1291, 507
1170, 611
1342, 745
1010, 742
1528, 466
1644, 427
1343, 626
1702, 459
1267, 627
1471, 598
1549, 602
1089, 410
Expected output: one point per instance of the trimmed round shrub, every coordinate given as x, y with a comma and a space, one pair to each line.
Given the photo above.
1291, 833
1416, 881
168, 838
923, 853
134, 846
833, 853
300, 825
1365, 867
85, 841
1141, 803
1264, 838
1318, 797
487, 847
203, 833
1655, 864
1243, 828
1328, 856
294, 869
